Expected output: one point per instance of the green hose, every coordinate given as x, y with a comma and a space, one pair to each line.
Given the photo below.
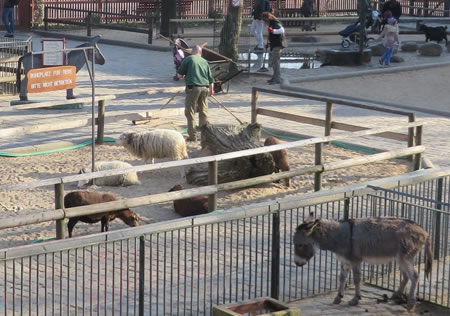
86, 143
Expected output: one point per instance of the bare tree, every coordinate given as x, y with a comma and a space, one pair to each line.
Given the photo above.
231, 31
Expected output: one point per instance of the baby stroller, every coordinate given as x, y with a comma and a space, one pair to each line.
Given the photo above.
178, 54
351, 34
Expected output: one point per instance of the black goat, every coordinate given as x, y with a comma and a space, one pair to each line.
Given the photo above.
437, 33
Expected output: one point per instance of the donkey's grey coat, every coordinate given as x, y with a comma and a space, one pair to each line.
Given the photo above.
374, 240
74, 58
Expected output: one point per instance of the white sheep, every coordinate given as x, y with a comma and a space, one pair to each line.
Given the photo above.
157, 143
127, 179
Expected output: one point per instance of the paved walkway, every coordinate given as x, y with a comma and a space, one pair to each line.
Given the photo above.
142, 80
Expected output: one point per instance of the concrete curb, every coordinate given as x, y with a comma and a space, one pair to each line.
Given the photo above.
366, 72
105, 41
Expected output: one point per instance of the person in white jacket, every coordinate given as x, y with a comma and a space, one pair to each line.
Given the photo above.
390, 37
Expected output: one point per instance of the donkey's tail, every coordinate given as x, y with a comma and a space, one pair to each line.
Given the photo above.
18, 71
429, 257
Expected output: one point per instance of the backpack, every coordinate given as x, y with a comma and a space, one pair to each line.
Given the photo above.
267, 6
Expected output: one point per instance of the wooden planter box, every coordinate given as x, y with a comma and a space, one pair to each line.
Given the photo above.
262, 306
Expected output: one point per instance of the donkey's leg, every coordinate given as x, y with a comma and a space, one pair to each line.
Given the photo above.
397, 296
23, 89
356, 268
413, 276
69, 94
342, 280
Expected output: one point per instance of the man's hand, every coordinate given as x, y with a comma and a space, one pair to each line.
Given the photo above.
180, 76
211, 89
270, 29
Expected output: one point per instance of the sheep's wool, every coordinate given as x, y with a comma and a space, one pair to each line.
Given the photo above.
127, 179
158, 143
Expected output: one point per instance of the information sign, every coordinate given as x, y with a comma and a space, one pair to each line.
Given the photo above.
51, 79
53, 58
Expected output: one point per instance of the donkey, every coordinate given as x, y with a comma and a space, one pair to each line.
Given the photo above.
374, 240
74, 58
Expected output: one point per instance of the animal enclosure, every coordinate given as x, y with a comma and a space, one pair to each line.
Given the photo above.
190, 265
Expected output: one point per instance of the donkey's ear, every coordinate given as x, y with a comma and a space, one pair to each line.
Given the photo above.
310, 218
311, 226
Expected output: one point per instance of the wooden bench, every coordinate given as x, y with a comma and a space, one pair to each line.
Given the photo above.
295, 13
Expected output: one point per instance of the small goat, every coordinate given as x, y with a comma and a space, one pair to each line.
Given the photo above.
437, 33
192, 206
280, 158
81, 198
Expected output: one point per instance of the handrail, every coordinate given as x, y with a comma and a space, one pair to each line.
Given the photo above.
193, 161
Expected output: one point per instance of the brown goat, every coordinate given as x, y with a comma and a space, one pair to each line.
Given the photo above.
191, 206
82, 198
280, 157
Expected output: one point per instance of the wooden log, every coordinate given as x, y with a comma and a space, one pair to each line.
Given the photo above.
220, 140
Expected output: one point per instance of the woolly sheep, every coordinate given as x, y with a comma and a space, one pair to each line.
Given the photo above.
158, 143
280, 157
82, 198
127, 179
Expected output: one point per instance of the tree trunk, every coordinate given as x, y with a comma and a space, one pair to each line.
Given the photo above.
231, 31
220, 140
168, 11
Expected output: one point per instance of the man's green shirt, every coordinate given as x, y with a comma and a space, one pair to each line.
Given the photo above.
197, 71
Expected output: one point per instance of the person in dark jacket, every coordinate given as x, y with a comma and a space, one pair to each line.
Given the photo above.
257, 24
277, 41
8, 17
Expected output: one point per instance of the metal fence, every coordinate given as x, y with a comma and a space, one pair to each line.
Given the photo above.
187, 266
10, 51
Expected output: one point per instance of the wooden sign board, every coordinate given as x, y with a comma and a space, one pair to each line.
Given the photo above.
51, 79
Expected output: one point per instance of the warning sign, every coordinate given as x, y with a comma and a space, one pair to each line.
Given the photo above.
51, 78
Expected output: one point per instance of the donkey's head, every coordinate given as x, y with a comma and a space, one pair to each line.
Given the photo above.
99, 59
304, 244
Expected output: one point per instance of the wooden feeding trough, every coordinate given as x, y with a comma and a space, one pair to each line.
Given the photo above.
262, 306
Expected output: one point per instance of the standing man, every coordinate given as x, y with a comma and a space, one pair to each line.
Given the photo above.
277, 41
8, 17
257, 24
199, 83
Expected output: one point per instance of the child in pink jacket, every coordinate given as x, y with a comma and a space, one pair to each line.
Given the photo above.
390, 37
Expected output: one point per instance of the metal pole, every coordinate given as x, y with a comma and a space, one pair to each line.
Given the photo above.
89, 26
141, 275
46, 18
150, 30
437, 219
212, 180
93, 110
275, 271
346, 208
328, 118
59, 204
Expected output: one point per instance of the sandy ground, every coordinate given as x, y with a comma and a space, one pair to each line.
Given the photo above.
415, 88
26, 169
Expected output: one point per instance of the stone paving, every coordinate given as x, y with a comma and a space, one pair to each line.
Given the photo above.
142, 81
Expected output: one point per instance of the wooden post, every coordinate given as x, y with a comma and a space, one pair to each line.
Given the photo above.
418, 157
89, 26
411, 119
254, 104
150, 30
101, 122
317, 162
446, 7
328, 118
46, 18
411, 4
212, 180
59, 203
